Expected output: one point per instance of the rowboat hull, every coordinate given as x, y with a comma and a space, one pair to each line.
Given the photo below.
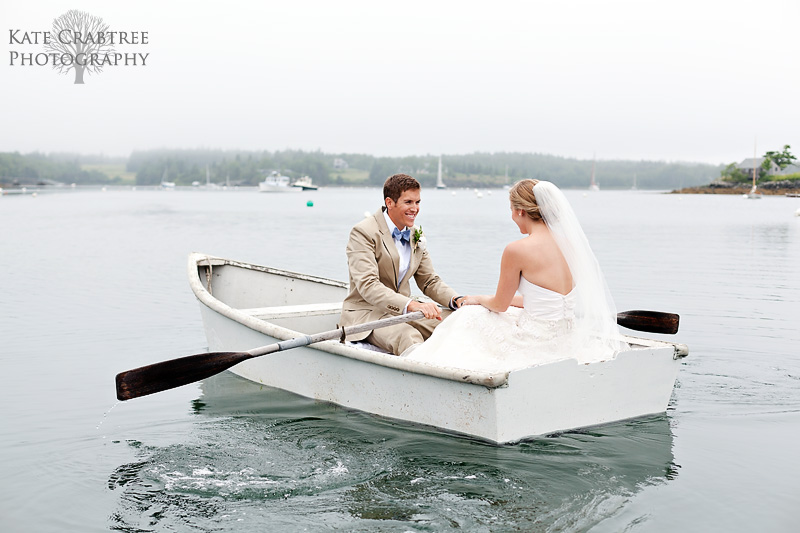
244, 306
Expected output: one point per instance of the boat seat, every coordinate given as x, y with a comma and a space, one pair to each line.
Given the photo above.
289, 311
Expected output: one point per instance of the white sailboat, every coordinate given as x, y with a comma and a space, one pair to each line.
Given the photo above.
166, 184
593, 186
439, 183
210, 185
754, 194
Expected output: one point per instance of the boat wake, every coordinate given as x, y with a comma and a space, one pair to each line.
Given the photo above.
260, 455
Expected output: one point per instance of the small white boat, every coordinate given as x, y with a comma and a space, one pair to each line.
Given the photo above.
754, 194
593, 186
169, 185
439, 183
275, 182
244, 306
305, 184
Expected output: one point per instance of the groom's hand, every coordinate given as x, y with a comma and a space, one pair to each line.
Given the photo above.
430, 310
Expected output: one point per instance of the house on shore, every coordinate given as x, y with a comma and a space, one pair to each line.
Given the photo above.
748, 164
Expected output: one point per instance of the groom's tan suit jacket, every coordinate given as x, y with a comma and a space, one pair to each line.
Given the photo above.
374, 264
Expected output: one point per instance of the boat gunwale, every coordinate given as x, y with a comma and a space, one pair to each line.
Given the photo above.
486, 379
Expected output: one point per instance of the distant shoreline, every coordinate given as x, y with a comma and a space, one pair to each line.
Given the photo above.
707, 189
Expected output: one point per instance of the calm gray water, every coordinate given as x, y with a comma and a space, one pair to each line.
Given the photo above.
92, 283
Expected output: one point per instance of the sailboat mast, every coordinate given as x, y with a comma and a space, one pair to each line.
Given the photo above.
754, 165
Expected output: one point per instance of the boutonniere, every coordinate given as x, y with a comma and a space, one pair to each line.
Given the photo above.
419, 239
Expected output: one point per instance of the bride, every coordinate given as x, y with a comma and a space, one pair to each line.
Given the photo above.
551, 302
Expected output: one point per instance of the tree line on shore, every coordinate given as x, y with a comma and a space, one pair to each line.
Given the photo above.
479, 169
42, 169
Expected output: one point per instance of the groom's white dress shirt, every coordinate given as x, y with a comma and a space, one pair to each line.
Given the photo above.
404, 249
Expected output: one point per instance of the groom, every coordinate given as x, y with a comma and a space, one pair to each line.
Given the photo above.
383, 254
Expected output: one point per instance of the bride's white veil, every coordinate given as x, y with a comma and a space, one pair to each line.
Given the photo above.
596, 333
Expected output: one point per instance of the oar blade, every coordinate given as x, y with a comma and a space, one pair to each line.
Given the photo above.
649, 321
174, 373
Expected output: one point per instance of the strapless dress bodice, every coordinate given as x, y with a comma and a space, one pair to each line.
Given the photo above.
545, 304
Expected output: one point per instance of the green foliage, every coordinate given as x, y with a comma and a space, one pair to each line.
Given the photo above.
496, 169
241, 168
784, 177
41, 168
734, 174
782, 159
249, 167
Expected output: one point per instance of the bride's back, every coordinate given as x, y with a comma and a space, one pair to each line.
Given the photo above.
543, 263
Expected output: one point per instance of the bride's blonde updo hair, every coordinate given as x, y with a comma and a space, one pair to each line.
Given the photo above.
522, 197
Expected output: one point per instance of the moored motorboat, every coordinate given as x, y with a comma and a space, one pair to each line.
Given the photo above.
245, 305
276, 182
305, 183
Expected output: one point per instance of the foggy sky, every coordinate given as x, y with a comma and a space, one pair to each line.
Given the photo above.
686, 80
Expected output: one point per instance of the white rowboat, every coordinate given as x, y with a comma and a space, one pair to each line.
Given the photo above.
244, 306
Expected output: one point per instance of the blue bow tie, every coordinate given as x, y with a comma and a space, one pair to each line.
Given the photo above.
404, 236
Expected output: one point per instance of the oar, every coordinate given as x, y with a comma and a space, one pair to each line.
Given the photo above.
184, 370
650, 321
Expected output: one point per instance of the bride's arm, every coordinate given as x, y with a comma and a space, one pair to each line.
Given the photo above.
507, 285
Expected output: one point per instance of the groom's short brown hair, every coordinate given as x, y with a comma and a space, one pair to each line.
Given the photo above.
396, 185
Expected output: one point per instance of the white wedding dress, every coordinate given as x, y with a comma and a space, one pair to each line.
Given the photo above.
476, 338
581, 325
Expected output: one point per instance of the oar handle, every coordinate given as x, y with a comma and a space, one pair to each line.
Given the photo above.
340, 333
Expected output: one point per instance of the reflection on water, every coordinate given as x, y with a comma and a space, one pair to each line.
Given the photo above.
260, 454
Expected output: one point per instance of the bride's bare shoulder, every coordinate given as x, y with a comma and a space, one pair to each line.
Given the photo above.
516, 246
526, 243
522, 247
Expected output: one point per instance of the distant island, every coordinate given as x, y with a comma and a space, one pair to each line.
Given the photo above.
773, 188
775, 173
248, 168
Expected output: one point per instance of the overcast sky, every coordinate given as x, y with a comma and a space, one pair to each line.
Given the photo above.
684, 80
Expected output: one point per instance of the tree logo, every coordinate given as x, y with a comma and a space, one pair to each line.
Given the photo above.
71, 31
78, 42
